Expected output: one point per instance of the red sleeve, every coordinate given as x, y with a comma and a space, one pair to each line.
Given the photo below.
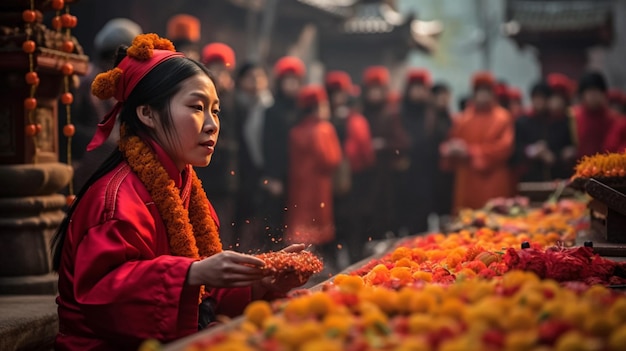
326, 144
231, 302
497, 149
358, 145
127, 297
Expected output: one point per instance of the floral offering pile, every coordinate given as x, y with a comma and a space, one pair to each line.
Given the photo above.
609, 165
302, 263
518, 312
474, 289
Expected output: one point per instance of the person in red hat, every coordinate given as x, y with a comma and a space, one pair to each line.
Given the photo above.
289, 76
218, 181
415, 191
444, 178
479, 147
544, 147
617, 100
350, 183
139, 255
184, 31
594, 120
314, 155
390, 144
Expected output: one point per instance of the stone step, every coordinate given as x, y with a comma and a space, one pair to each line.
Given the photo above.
28, 322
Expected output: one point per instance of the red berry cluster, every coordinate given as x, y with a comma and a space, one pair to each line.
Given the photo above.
303, 263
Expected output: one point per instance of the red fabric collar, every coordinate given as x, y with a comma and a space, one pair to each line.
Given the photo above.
166, 161
133, 71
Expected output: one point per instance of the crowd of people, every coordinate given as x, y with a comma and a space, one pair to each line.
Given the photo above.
339, 164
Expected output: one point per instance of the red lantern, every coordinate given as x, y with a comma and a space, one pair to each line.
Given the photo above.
29, 46
30, 104
67, 69
58, 4
29, 16
32, 78
69, 130
67, 98
57, 23
68, 46
30, 130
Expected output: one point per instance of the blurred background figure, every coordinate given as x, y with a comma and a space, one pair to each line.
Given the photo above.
616, 139
544, 147
220, 180
594, 118
444, 178
416, 184
390, 144
252, 99
289, 75
184, 32
516, 103
314, 155
88, 110
479, 147
350, 181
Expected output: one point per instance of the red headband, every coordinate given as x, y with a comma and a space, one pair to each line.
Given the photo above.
130, 72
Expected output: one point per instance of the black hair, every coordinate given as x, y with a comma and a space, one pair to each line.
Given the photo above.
244, 69
156, 90
592, 80
541, 88
440, 88
463, 101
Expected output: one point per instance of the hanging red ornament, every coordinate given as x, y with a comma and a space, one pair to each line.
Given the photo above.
30, 104
57, 23
66, 20
30, 130
67, 69
32, 78
74, 22
68, 46
29, 46
29, 16
67, 98
69, 130
58, 4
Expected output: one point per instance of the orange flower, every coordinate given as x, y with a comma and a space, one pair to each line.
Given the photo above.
105, 84
144, 44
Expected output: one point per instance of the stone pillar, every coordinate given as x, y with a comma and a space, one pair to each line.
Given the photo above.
30, 175
30, 212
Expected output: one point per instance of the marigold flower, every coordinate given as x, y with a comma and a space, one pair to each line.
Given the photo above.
257, 311
104, 85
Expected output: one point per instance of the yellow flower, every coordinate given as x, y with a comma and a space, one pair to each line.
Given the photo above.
420, 323
520, 340
296, 308
618, 339
339, 324
400, 253
572, 341
520, 319
402, 274
423, 302
385, 299
257, 311
322, 344
349, 283
600, 325
319, 303
452, 308
618, 309
421, 275
413, 344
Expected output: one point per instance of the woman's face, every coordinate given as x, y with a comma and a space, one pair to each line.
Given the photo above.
418, 93
194, 110
290, 85
556, 105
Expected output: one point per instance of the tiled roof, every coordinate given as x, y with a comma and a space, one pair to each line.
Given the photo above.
544, 16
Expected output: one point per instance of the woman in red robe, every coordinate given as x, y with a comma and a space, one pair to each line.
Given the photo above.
480, 144
139, 255
314, 155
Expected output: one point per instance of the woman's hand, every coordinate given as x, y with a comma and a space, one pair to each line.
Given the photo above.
281, 283
227, 269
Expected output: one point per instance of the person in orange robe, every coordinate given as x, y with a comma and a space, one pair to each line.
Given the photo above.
314, 155
480, 144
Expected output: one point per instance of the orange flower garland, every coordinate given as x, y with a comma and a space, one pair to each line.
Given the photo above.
191, 233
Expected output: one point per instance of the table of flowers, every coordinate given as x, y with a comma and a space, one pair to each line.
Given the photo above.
518, 287
510, 277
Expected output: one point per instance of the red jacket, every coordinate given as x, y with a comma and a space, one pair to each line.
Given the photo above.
358, 143
314, 155
118, 283
592, 129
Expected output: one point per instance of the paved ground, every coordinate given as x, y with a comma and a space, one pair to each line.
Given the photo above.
27, 322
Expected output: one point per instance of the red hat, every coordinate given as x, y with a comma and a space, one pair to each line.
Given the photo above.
419, 76
483, 79
185, 27
376, 75
219, 52
515, 94
561, 84
311, 96
339, 80
289, 64
502, 90
616, 96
